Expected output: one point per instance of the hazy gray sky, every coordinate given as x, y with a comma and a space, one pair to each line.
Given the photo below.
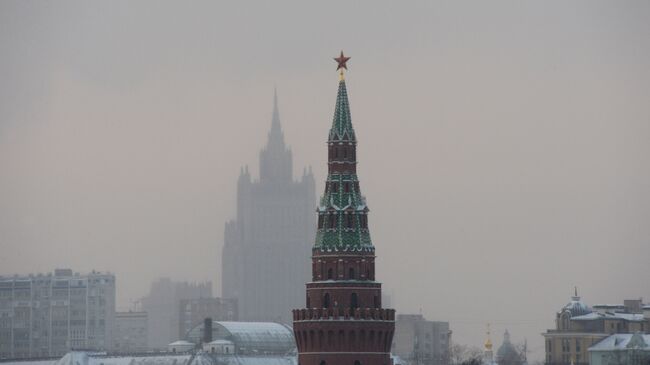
504, 145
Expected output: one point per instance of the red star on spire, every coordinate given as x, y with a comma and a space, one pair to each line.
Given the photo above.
341, 60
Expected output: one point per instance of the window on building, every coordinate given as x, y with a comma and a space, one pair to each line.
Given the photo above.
354, 301
351, 274
364, 221
320, 221
326, 300
346, 186
349, 223
332, 220
330, 274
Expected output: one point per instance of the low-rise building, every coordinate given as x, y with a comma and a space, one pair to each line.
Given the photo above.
418, 341
579, 327
130, 332
621, 349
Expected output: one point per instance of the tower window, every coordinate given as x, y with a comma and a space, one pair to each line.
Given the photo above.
349, 221
334, 187
346, 187
332, 221
364, 221
326, 300
320, 221
351, 274
354, 301
330, 274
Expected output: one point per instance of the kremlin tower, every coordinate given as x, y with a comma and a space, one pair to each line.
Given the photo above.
343, 322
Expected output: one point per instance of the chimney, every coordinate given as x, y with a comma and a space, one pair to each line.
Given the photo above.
207, 330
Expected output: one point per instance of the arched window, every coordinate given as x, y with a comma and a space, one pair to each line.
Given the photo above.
351, 274
326, 300
330, 274
354, 304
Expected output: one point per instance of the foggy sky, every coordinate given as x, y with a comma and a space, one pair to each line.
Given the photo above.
504, 146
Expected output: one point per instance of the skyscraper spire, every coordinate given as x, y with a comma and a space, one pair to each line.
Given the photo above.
275, 159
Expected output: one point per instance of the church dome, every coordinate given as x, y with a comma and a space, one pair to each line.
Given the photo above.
576, 307
507, 354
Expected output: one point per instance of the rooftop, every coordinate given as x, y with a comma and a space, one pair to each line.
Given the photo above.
623, 341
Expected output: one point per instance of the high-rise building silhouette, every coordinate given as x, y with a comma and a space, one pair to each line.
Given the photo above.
266, 248
343, 322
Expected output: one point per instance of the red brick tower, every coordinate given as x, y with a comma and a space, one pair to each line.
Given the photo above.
343, 322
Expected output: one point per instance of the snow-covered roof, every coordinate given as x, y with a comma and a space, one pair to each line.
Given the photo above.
30, 362
623, 341
634, 317
88, 358
221, 342
181, 342
210, 359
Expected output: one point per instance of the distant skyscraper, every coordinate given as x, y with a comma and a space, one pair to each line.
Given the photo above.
266, 248
163, 308
48, 315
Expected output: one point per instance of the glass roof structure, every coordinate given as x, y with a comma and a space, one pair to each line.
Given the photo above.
249, 337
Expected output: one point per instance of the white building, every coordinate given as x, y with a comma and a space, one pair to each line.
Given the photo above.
130, 332
49, 314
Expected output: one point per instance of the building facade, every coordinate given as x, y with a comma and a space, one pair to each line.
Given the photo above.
621, 349
265, 251
163, 307
578, 327
343, 321
419, 341
49, 314
194, 311
130, 332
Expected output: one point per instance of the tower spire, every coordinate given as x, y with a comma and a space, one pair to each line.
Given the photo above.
275, 158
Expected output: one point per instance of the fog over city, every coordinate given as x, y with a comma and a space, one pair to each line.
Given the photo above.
504, 147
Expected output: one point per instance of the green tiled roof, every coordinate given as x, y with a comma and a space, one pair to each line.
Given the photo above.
342, 197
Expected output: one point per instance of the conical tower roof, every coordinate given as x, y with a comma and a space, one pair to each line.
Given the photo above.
343, 212
342, 124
